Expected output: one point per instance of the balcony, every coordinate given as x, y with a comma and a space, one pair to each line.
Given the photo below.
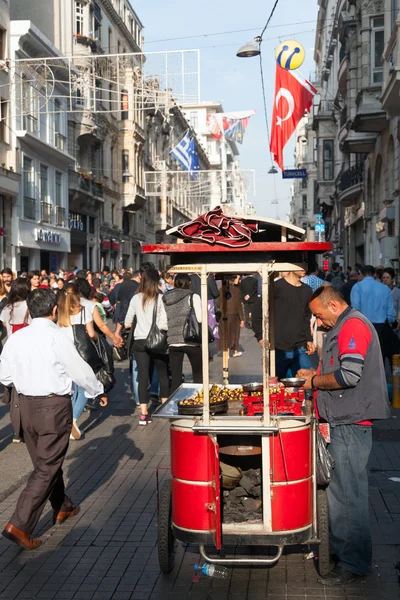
351, 184
134, 201
358, 143
86, 42
9, 181
45, 208
30, 124
60, 142
60, 216
391, 86
98, 189
29, 208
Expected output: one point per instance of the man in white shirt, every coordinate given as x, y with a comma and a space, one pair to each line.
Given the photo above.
41, 363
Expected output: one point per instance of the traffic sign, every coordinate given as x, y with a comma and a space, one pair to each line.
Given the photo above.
294, 174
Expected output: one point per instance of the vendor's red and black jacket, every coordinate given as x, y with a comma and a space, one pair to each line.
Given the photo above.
352, 352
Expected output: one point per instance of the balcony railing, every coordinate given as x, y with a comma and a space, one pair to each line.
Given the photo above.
29, 208
30, 123
84, 184
46, 212
60, 141
60, 216
97, 189
353, 176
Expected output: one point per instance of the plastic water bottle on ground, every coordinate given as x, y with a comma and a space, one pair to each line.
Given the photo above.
212, 570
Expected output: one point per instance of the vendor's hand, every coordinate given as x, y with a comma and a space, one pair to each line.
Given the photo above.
246, 297
307, 385
305, 373
242, 324
261, 342
310, 348
103, 400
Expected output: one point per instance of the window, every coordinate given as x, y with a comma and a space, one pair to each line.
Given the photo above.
79, 12
3, 37
112, 213
3, 121
57, 116
44, 187
92, 223
194, 119
110, 41
28, 178
395, 10
125, 166
131, 25
327, 159
58, 182
304, 183
124, 105
377, 48
304, 204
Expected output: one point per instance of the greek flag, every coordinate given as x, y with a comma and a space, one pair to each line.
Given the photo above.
186, 154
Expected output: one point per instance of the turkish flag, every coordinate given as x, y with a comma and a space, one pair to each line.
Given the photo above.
293, 96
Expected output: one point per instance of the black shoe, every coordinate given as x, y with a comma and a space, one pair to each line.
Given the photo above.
337, 576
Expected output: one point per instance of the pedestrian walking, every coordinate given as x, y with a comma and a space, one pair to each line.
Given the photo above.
235, 316
34, 279
142, 308
351, 393
292, 322
15, 315
249, 293
375, 301
41, 411
7, 277
389, 279
345, 290
335, 277
179, 302
312, 278
72, 313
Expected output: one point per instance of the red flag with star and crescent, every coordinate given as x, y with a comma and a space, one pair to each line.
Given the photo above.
293, 97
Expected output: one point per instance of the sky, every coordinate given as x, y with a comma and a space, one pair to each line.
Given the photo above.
236, 81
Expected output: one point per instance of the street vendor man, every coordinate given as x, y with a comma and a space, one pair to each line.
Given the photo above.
351, 393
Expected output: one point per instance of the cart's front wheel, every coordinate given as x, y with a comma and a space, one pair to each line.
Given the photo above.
324, 562
166, 540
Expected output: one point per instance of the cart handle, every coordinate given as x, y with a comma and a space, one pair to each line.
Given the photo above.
241, 561
234, 429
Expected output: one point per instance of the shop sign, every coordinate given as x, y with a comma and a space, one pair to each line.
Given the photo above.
106, 244
77, 221
43, 235
115, 245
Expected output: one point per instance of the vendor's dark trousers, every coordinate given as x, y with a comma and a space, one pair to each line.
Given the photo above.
143, 360
176, 356
348, 497
45, 425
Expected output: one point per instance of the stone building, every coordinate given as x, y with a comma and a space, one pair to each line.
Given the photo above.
357, 128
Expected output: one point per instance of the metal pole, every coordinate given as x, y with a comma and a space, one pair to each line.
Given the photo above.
224, 329
272, 362
204, 347
265, 337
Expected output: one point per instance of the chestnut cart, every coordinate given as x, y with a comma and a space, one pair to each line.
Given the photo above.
259, 449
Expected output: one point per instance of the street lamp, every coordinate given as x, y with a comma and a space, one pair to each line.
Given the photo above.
273, 170
249, 50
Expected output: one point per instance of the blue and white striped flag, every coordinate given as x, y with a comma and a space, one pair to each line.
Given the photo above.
186, 154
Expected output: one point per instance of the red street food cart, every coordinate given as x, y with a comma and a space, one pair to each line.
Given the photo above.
242, 473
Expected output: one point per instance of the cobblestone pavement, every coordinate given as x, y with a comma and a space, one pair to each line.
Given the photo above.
108, 552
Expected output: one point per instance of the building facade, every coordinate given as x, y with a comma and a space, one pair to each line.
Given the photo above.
357, 129
40, 231
106, 173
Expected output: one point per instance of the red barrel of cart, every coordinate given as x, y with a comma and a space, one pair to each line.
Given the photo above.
291, 476
195, 472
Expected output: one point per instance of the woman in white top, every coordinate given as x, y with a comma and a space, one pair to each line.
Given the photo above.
71, 312
15, 315
141, 306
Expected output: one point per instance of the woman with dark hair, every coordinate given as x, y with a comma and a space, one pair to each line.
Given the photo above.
71, 312
15, 315
178, 302
141, 309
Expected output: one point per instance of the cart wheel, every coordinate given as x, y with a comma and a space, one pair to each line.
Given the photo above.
166, 541
324, 562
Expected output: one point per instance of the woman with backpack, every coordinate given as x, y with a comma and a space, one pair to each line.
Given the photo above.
146, 311
15, 315
71, 314
179, 302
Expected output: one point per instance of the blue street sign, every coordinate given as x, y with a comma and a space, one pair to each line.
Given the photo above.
294, 174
